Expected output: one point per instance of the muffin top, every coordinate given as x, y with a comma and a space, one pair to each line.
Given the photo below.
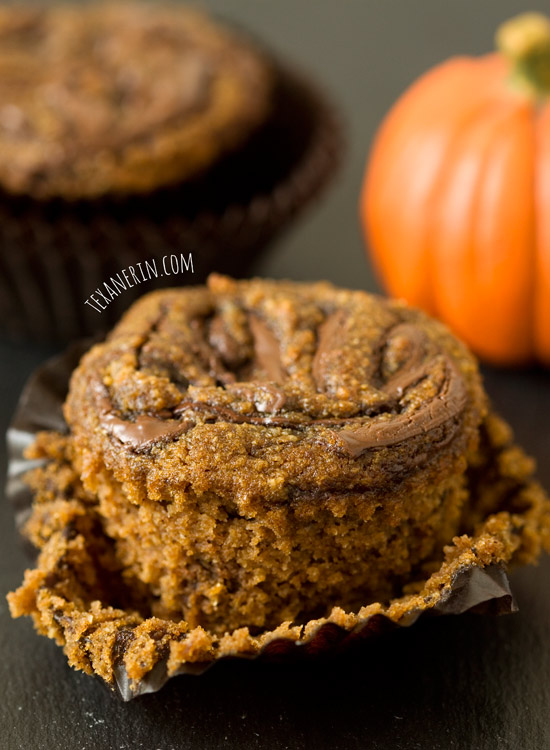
271, 390
120, 98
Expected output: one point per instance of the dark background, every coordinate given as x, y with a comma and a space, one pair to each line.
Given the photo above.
450, 683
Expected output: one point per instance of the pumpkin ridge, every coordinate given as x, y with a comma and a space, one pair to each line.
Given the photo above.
381, 182
541, 296
517, 329
445, 170
458, 302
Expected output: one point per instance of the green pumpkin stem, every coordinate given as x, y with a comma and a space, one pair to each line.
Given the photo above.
525, 41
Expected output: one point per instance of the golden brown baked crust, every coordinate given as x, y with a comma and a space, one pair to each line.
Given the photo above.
120, 98
262, 450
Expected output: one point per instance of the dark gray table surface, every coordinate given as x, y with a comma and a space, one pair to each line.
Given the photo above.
467, 682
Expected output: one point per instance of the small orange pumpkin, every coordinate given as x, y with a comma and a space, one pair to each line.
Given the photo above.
456, 198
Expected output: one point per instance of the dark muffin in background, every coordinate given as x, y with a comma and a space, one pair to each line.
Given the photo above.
133, 131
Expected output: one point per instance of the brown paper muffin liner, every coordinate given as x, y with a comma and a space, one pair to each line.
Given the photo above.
73, 594
55, 254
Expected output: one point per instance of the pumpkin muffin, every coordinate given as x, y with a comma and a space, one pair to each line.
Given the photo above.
261, 451
249, 463
129, 130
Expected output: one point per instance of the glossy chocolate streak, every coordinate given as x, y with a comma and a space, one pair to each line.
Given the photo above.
385, 427
221, 339
209, 356
143, 432
442, 410
267, 350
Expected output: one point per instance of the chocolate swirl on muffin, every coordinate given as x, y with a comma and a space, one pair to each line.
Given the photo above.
263, 392
263, 450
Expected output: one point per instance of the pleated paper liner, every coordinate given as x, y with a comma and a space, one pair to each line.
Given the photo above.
55, 254
75, 595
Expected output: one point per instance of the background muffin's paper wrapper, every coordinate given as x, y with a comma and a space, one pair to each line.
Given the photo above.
470, 587
54, 254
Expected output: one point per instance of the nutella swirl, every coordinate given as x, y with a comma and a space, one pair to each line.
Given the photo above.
443, 410
342, 367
